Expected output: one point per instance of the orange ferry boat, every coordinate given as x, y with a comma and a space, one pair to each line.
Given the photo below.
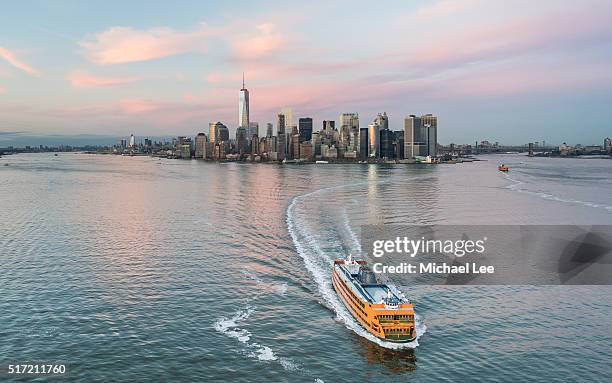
380, 308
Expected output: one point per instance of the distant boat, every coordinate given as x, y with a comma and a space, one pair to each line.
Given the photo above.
322, 162
503, 168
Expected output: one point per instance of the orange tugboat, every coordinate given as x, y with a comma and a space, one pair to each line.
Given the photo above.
503, 168
380, 308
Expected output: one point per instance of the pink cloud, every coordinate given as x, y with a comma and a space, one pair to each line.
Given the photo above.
265, 42
139, 106
125, 44
9, 57
539, 77
500, 39
81, 79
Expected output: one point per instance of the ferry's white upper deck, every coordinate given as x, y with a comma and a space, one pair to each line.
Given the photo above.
374, 293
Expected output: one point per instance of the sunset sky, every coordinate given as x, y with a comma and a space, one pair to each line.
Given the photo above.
508, 71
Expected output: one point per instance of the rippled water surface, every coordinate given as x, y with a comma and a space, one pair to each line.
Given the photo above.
134, 268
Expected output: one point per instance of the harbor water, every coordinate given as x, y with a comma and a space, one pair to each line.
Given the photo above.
144, 269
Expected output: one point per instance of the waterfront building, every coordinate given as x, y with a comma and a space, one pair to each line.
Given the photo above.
185, 151
253, 129
200, 145
329, 152
382, 120
241, 140
243, 107
430, 124
217, 132
344, 135
271, 144
212, 131
363, 144
348, 131
255, 144
399, 144
220, 151
295, 147
329, 126
305, 129
374, 140
607, 145
223, 133
350, 120
282, 137
387, 138
208, 149
415, 141
269, 132
316, 144
353, 145
288, 114
306, 151
184, 147
132, 141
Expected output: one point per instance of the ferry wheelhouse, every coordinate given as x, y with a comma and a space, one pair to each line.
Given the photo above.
381, 309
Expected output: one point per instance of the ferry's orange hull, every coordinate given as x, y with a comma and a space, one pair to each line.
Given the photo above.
393, 325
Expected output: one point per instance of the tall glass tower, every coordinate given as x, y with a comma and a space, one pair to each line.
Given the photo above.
243, 107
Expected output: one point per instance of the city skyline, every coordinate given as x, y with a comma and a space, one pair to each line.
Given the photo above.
516, 74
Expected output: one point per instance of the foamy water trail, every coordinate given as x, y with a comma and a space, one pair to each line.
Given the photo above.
319, 265
264, 287
233, 329
355, 243
551, 197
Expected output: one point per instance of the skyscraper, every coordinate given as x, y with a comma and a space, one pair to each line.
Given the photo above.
386, 137
222, 133
430, 123
282, 137
243, 107
349, 119
363, 144
217, 132
200, 145
269, 130
241, 139
253, 129
382, 120
305, 128
132, 141
374, 140
412, 136
288, 113
420, 136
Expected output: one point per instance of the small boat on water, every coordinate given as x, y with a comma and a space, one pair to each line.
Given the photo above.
379, 308
503, 168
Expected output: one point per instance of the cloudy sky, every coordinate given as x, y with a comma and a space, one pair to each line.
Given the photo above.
508, 71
